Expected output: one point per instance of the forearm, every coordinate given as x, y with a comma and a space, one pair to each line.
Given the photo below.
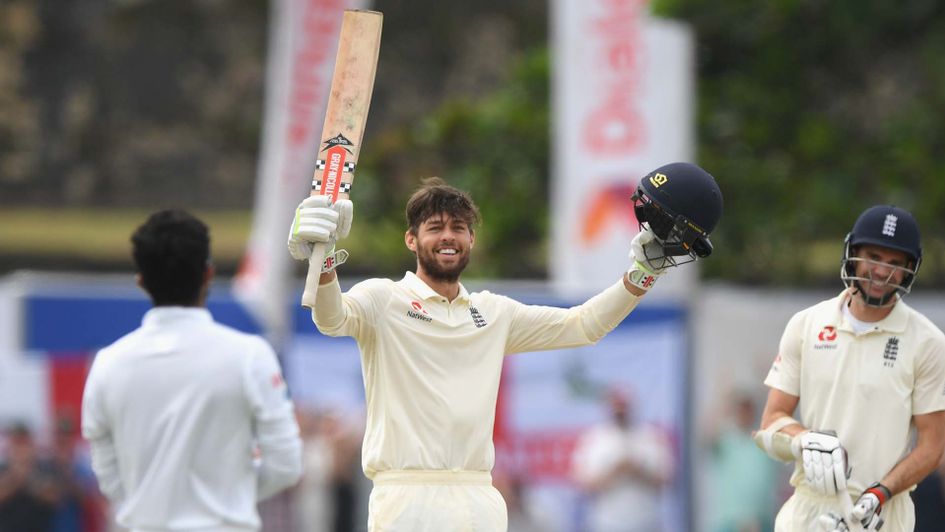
281, 457
913, 468
329, 312
603, 312
792, 429
105, 466
778, 428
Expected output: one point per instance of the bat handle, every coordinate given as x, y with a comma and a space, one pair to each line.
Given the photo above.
846, 504
314, 273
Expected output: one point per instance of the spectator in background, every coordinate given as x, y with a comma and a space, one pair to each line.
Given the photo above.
313, 508
29, 489
623, 466
744, 479
81, 507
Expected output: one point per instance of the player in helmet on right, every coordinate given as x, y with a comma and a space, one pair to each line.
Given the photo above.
870, 369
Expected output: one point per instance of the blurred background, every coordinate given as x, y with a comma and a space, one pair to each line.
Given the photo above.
548, 112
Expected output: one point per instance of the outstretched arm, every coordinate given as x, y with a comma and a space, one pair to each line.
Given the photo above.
537, 328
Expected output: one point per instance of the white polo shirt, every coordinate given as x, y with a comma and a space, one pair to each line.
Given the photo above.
174, 412
431, 367
865, 386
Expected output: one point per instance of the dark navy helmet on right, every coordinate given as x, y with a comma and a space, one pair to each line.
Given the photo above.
889, 227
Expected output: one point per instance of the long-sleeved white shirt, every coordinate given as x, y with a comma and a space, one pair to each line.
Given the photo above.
174, 412
431, 367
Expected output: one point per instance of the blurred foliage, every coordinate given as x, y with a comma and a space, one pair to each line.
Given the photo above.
810, 111
496, 147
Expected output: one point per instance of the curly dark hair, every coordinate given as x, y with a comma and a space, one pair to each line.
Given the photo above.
172, 252
436, 197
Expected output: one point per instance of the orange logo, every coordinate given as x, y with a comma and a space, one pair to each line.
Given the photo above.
610, 205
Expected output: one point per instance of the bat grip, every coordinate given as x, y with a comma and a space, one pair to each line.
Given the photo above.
846, 505
314, 273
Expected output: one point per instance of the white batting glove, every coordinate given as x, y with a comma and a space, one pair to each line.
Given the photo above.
645, 270
317, 220
824, 459
868, 507
833, 522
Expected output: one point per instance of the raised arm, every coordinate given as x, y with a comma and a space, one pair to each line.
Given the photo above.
538, 328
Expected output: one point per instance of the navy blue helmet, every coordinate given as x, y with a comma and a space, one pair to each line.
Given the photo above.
682, 204
889, 227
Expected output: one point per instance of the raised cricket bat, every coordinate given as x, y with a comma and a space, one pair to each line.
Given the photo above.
351, 86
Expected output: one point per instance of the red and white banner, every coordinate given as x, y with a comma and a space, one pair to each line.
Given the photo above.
623, 91
303, 39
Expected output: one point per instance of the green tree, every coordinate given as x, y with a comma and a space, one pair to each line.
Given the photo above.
810, 111
495, 146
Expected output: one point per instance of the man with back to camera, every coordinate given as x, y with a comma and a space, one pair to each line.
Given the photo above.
431, 352
175, 410
870, 370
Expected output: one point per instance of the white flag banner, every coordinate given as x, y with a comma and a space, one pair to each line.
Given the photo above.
622, 106
303, 39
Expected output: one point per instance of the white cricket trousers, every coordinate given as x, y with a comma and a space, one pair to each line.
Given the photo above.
800, 512
436, 501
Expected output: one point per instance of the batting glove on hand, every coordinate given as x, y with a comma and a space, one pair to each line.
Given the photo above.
870, 504
646, 270
833, 522
824, 460
317, 220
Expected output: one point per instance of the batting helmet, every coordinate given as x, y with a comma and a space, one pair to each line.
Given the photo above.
682, 204
889, 227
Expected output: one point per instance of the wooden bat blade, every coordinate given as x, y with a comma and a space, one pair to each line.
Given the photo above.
352, 85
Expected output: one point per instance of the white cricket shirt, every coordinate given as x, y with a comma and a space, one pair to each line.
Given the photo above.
865, 386
431, 367
174, 412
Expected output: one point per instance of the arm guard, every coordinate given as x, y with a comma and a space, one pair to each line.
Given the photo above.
774, 443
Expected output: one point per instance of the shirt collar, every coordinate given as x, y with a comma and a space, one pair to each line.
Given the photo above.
894, 322
423, 290
164, 315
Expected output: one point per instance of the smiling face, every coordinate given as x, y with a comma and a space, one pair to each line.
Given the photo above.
881, 269
442, 245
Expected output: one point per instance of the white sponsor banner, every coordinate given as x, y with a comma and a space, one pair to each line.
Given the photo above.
303, 40
622, 106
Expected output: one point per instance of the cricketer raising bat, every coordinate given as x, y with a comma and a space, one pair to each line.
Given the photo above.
351, 86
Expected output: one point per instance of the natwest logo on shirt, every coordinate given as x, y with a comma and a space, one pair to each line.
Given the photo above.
418, 312
827, 337
827, 334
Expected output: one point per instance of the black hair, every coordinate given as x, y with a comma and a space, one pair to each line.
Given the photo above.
172, 252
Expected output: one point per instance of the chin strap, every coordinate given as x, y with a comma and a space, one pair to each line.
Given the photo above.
887, 300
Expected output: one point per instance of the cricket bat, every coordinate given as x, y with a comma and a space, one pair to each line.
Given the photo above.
351, 86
